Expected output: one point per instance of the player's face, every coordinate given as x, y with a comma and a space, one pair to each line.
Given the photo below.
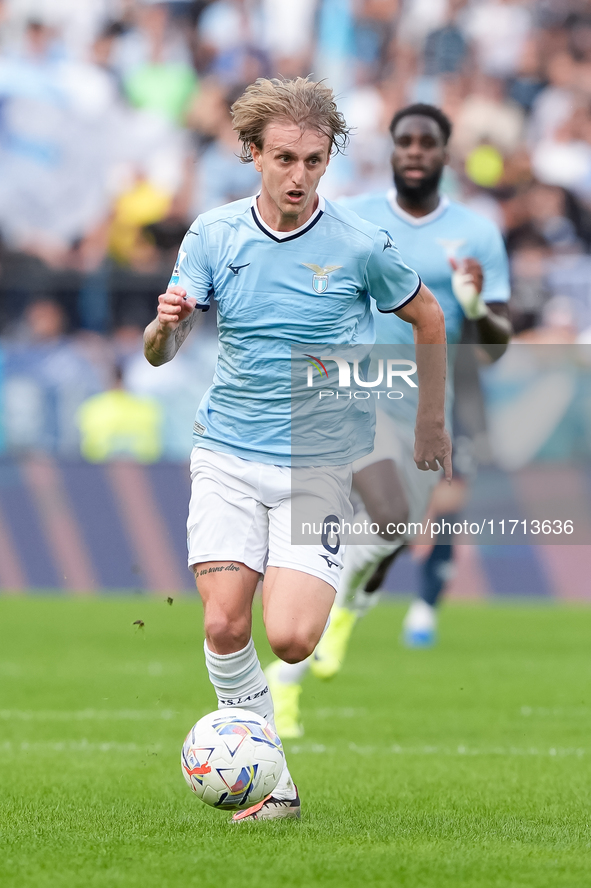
291, 163
419, 155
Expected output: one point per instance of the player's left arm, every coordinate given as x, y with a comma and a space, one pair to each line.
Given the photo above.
432, 441
397, 288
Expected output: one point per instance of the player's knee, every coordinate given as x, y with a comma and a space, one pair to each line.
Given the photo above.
227, 631
390, 518
292, 647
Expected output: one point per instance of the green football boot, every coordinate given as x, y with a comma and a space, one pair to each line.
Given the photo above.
286, 703
331, 649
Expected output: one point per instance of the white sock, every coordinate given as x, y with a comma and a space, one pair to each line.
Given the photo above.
239, 681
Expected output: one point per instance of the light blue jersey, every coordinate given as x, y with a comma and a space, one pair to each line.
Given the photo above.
427, 243
275, 290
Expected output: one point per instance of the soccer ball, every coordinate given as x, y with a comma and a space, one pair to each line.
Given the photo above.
232, 759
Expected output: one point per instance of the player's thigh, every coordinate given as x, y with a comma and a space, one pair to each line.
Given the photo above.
380, 487
227, 589
227, 534
377, 478
302, 577
306, 522
296, 606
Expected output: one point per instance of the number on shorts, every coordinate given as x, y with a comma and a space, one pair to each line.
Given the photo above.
327, 525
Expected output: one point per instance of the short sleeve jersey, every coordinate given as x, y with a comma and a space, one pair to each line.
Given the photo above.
451, 231
275, 290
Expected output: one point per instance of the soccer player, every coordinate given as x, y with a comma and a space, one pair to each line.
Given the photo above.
256, 257
461, 257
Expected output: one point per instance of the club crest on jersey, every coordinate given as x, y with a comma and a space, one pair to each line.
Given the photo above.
320, 279
450, 247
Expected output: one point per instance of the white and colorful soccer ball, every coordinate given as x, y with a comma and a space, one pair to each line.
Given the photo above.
232, 759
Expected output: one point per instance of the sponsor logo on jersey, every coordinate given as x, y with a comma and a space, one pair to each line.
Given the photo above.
320, 279
329, 561
388, 245
237, 268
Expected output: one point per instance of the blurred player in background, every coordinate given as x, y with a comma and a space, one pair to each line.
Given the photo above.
468, 425
461, 256
255, 256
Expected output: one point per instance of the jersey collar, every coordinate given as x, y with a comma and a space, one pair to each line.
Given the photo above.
416, 220
281, 236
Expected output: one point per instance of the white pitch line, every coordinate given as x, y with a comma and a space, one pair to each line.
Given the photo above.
144, 714
555, 711
84, 745
461, 750
154, 670
77, 746
90, 715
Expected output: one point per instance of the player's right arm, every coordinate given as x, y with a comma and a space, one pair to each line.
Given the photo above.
166, 333
189, 290
482, 287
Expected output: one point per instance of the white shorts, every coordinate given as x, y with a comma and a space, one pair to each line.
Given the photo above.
396, 441
244, 511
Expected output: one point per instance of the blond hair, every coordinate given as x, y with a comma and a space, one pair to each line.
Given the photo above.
308, 104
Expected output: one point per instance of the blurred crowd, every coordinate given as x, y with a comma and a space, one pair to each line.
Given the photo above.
115, 134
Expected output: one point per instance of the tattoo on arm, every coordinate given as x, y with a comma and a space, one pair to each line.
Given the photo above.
160, 345
183, 330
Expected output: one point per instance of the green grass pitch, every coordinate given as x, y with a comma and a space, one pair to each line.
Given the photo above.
465, 765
